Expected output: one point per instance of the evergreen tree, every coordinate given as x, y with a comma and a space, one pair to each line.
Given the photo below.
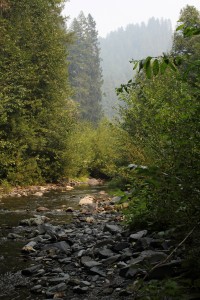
84, 70
35, 113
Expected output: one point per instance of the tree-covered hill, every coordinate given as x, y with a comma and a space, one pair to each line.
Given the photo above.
134, 42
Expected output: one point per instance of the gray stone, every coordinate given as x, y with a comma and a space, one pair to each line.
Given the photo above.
98, 271
80, 290
105, 252
66, 260
61, 246
130, 272
88, 262
29, 247
103, 243
14, 236
112, 228
32, 270
57, 288
56, 280
36, 289
115, 200
121, 246
138, 235
111, 260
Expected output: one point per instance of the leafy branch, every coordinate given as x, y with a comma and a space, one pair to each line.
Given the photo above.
153, 66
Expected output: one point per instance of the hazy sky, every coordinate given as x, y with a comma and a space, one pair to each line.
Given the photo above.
112, 14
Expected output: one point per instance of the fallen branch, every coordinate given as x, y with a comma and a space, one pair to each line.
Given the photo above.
170, 255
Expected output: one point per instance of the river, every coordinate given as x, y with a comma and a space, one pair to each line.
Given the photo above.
12, 211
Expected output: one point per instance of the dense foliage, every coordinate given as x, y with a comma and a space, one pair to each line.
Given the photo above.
162, 116
84, 70
36, 114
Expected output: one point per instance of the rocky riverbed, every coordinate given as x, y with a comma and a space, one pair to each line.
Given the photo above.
95, 256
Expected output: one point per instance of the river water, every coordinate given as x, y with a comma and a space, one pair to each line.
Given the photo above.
12, 211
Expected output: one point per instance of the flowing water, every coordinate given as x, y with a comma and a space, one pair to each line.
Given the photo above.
12, 210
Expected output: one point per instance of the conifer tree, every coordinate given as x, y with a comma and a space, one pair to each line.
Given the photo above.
84, 69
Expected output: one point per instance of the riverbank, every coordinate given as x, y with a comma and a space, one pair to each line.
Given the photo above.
95, 256
39, 190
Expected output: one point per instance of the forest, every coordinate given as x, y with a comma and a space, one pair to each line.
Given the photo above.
58, 85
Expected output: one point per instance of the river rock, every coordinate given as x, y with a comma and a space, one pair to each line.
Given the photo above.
62, 246
29, 247
42, 209
138, 235
112, 228
80, 290
14, 236
88, 262
69, 209
38, 194
87, 200
98, 271
149, 256
93, 182
105, 252
57, 288
32, 270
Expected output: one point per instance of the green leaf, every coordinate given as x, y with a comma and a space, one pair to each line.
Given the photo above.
141, 65
177, 61
155, 67
163, 67
180, 27
147, 67
135, 65
172, 66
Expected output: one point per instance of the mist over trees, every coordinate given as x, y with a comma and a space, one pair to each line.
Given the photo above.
136, 41
85, 73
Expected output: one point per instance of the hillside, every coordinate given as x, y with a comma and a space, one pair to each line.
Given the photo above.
134, 42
